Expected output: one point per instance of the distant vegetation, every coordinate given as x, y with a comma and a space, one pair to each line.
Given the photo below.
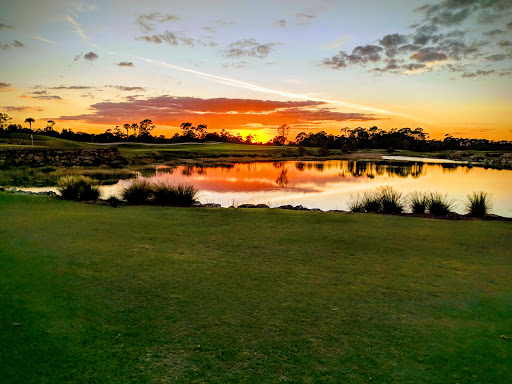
348, 140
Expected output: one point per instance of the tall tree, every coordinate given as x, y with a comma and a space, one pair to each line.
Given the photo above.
29, 120
146, 126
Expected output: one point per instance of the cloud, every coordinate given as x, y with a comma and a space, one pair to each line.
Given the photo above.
227, 23
494, 32
170, 38
499, 57
125, 88
427, 55
13, 44
72, 87
305, 18
91, 56
20, 108
393, 40
148, 21
5, 26
434, 39
42, 97
360, 55
77, 57
221, 112
41, 38
125, 64
209, 29
78, 27
505, 43
477, 73
249, 47
4, 85
280, 23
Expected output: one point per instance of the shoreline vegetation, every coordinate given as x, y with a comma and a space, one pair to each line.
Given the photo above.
152, 294
478, 205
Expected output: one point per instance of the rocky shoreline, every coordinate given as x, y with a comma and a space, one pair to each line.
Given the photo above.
118, 203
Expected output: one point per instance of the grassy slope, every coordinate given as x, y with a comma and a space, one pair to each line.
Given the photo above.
149, 294
22, 140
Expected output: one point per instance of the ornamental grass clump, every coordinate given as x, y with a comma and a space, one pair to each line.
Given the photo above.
391, 200
383, 200
167, 194
439, 204
138, 192
478, 204
79, 188
418, 202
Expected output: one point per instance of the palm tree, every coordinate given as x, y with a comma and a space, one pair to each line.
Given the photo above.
29, 120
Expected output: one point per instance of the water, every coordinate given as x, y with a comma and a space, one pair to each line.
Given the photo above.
329, 184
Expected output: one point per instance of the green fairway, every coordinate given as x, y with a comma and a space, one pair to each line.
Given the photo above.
92, 294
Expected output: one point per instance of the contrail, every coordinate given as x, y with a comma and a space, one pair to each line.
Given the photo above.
257, 88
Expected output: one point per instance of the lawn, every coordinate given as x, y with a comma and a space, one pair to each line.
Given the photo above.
93, 294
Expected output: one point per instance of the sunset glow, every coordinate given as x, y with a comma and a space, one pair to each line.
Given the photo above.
249, 67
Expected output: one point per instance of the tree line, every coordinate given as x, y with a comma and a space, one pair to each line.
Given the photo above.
347, 141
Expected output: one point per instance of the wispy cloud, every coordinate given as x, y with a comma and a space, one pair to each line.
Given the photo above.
78, 27
260, 89
41, 38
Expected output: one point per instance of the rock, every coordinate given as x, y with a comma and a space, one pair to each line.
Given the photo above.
211, 205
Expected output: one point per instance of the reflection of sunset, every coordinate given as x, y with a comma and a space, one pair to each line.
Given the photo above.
328, 185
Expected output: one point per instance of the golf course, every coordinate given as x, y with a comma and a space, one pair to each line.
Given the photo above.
94, 294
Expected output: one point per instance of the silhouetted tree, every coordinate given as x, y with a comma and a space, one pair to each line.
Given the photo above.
29, 120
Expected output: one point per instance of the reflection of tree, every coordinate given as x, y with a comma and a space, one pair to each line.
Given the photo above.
282, 179
449, 167
300, 166
278, 164
188, 170
201, 171
404, 170
319, 167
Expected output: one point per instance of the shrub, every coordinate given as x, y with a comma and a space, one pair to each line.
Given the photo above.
182, 195
439, 205
323, 151
356, 203
138, 192
418, 202
383, 200
80, 188
391, 200
478, 204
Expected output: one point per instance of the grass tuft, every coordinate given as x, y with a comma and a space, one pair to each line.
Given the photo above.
180, 195
138, 192
418, 201
478, 204
385, 199
439, 204
80, 188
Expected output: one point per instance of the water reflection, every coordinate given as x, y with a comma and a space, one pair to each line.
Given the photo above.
328, 185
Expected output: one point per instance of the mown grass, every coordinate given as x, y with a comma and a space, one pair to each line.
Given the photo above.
150, 294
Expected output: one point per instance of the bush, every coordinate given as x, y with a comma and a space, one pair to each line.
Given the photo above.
182, 195
383, 200
138, 192
323, 151
478, 204
391, 200
80, 188
418, 202
439, 205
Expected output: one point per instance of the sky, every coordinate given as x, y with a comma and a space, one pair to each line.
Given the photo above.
248, 66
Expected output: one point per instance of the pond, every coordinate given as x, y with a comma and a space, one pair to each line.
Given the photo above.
328, 184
